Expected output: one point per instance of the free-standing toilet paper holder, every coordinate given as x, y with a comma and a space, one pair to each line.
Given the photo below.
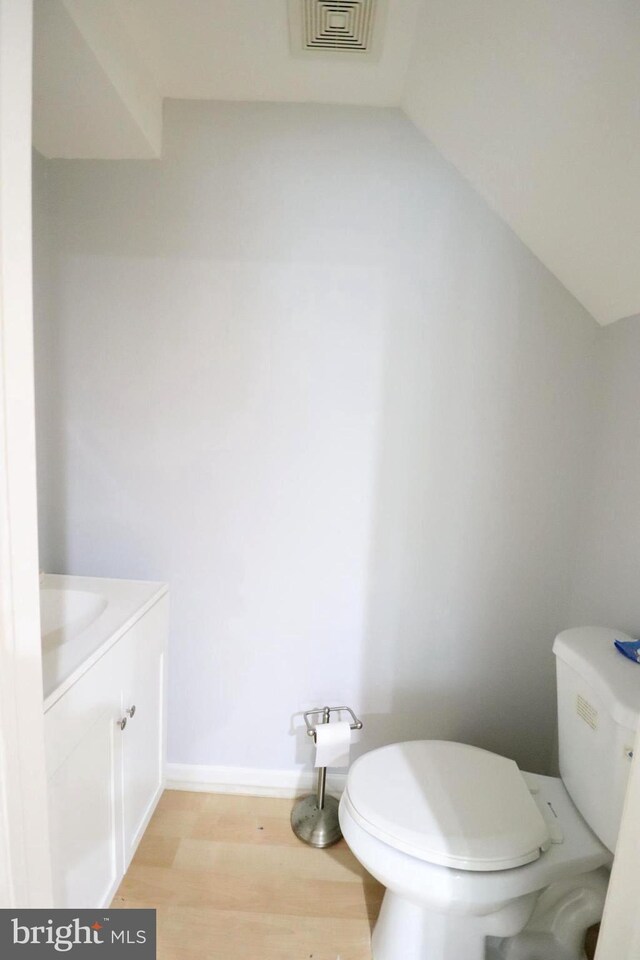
314, 819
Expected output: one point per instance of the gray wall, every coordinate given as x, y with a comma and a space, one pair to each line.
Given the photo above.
299, 370
607, 579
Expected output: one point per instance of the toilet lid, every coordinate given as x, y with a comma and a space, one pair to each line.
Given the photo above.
449, 804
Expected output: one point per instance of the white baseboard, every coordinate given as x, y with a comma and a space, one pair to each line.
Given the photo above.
250, 781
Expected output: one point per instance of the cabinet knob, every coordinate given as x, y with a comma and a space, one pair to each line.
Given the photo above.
122, 723
132, 711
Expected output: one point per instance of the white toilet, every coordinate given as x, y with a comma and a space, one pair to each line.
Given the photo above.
481, 860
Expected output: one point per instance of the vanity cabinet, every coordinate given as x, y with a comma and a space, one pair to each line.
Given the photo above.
143, 741
105, 750
83, 747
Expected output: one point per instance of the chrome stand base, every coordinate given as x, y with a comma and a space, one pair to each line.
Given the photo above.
314, 825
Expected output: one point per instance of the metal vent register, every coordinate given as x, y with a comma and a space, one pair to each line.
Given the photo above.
334, 25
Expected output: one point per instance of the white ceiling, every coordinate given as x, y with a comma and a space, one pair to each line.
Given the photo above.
91, 97
536, 102
239, 50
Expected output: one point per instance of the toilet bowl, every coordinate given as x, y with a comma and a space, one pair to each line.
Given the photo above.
478, 858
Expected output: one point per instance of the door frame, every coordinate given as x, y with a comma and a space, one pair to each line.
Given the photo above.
620, 929
25, 869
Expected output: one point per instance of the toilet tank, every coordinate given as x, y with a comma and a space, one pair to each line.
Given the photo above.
598, 714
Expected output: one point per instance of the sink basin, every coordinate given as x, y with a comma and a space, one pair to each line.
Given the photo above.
66, 613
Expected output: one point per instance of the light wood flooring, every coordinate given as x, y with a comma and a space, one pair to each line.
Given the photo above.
230, 881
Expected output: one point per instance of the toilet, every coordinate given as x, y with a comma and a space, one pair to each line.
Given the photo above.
483, 861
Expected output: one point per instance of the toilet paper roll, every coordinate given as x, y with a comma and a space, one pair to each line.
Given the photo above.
332, 744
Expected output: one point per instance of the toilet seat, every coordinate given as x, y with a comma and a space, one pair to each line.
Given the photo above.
449, 804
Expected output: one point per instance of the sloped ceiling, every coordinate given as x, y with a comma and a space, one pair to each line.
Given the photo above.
536, 102
91, 96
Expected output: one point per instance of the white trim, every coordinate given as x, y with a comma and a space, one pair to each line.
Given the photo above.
25, 872
250, 781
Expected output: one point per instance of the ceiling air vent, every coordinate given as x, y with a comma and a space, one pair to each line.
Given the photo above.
335, 26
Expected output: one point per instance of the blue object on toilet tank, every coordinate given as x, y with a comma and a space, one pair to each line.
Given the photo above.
630, 649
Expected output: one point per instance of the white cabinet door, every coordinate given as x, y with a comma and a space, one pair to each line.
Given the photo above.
143, 741
84, 759
106, 776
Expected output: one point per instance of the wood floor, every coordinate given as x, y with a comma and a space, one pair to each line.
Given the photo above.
231, 882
